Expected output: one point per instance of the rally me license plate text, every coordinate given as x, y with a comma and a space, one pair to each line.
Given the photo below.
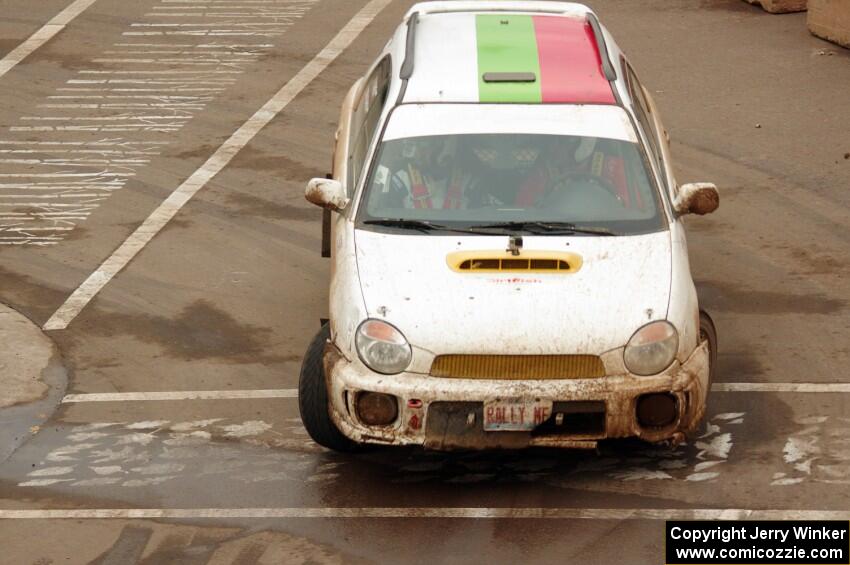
514, 414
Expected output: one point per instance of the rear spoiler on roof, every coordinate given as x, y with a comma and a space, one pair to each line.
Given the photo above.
481, 6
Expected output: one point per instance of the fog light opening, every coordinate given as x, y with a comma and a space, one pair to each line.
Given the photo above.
657, 410
376, 408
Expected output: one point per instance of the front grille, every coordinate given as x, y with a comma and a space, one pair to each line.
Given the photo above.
518, 367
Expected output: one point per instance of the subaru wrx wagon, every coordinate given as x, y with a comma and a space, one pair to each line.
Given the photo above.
509, 262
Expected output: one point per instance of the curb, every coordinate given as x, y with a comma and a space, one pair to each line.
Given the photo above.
32, 379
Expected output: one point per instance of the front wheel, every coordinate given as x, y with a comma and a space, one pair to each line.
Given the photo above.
708, 333
313, 397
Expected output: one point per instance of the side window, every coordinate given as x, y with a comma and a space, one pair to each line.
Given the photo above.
644, 117
365, 118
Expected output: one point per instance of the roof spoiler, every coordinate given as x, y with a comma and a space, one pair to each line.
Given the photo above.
497, 6
602, 47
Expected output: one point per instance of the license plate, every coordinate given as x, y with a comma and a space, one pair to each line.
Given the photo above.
513, 414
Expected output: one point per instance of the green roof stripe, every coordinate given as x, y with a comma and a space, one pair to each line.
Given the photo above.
507, 44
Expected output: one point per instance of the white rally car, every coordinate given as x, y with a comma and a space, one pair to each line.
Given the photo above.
509, 264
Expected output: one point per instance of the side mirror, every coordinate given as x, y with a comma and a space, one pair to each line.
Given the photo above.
697, 198
327, 193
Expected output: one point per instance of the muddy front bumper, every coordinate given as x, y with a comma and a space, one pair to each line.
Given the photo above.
447, 413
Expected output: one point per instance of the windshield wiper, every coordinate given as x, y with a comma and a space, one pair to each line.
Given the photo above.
420, 225
550, 228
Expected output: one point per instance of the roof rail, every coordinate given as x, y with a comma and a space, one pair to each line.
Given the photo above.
407, 66
607, 66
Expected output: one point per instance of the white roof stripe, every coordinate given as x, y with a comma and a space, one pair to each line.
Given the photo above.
446, 60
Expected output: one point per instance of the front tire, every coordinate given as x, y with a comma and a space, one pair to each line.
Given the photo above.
707, 332
313, 397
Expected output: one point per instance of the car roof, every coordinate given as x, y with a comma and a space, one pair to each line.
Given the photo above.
504, 52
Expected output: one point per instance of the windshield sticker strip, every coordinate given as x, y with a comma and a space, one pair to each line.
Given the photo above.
507, 44
570, 65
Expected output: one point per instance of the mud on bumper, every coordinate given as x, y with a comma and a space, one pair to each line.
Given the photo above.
448, 413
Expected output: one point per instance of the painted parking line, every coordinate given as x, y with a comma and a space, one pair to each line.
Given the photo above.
43, 34
780, 387
106, 123
468, 513
181, 395
293, 393
222, 156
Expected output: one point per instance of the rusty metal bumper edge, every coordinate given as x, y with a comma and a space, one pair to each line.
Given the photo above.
688, 381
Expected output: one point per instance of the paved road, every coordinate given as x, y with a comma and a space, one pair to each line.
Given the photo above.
101, 124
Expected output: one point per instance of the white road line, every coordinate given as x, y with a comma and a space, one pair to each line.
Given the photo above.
293, 392
432, 512
780, 387
223, 155
43, 34
180, 395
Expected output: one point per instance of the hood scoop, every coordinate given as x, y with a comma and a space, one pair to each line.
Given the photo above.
552, 262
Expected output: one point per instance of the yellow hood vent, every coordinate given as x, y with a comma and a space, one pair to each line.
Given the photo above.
552, 262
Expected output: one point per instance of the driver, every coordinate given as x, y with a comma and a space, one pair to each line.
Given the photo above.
566, 155
587, 156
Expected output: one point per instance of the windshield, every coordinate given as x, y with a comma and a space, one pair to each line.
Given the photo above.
467, 180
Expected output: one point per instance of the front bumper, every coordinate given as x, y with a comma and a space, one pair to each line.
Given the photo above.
457, 404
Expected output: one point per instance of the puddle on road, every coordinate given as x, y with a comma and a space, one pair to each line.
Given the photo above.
145, 453
155, 452
818, 452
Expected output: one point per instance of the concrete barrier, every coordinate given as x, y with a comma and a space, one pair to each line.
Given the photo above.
782, 6
830, 19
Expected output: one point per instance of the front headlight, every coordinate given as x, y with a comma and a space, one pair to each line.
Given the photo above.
652, 348
382, 347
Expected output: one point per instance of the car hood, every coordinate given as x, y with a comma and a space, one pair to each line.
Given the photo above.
623, 283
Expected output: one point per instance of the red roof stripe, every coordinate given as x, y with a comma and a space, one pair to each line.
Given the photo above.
570, 65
